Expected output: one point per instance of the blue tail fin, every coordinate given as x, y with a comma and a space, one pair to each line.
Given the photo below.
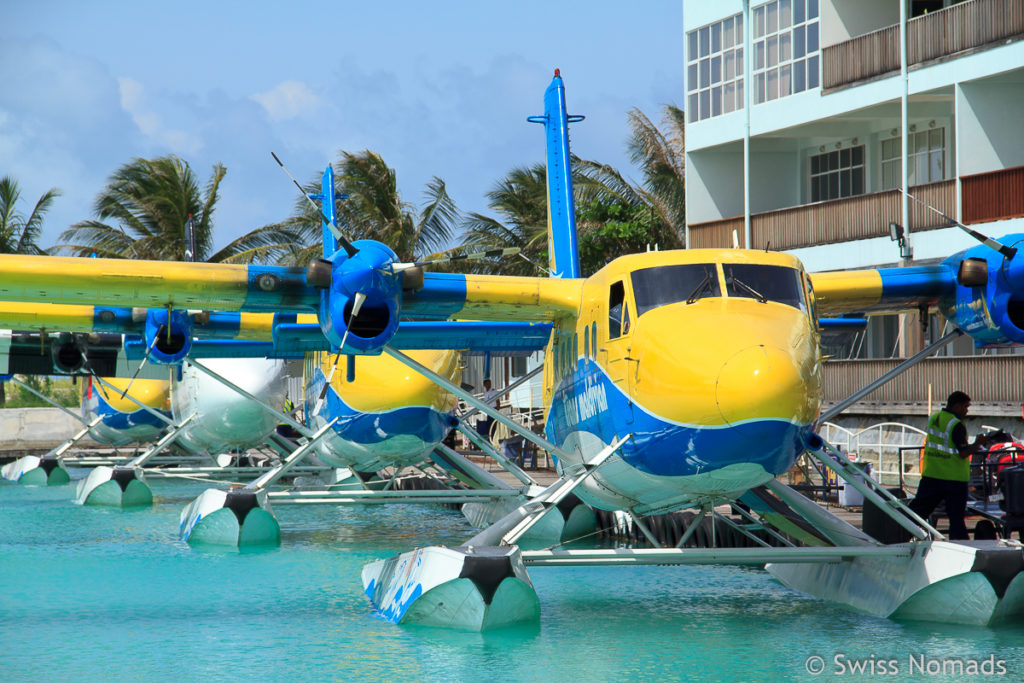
563, 256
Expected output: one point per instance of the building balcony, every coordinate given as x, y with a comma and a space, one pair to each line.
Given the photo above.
998, 195
972, 25
993, 383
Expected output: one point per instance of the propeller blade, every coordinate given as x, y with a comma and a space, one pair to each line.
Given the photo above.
335, 230
490, 253
1007, 252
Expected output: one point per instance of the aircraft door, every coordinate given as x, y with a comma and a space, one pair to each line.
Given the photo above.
616, 352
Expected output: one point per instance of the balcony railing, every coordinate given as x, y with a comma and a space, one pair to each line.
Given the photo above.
716, 233
994, 383
932, 36
862, 57
839, 220
993, 196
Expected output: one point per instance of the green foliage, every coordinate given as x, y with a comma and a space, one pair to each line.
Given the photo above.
369, 206
18, 234
60, 390
142, 214
609, 229
614, 215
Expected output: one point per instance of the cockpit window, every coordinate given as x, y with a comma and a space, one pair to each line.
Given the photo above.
656, 287
764, 283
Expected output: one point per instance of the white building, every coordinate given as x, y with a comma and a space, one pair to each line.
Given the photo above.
804, 120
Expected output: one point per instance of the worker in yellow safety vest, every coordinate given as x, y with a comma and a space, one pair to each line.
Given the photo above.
947, 464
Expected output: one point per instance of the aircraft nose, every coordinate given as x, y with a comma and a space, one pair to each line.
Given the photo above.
762, 382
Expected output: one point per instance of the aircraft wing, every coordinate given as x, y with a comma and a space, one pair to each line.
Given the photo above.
881, 290
155, 284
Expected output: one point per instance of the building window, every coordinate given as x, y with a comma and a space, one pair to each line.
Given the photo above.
714, 69
837, 174
926, 158
785, 48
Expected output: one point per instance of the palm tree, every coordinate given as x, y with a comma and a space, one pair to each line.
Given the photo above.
143, 210
369, 206
520, 198
18, 235
661, 158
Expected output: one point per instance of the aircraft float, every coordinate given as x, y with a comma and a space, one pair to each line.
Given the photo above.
674, 379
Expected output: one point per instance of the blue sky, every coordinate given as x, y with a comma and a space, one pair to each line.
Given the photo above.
438, 88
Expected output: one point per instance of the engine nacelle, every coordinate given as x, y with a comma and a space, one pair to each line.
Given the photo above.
69, 353
988, 301
369, 273
168, 335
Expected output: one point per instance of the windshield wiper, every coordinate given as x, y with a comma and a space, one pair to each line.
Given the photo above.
750, 290
704, 284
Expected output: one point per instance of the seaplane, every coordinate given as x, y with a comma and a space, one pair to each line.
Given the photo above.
125, 400
380, 418
673, 379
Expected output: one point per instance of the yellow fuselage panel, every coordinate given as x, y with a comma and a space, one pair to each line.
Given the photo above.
154, 393
383, 383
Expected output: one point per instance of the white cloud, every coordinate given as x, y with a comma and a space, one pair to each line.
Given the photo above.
151, 124
288, 100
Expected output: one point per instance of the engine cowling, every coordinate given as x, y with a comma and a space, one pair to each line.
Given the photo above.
368, 273
69, 353
988, 301
168, 335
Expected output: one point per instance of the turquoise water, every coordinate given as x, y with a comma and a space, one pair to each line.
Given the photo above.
89, 594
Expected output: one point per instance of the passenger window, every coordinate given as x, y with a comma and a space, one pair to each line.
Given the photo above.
586, 345
593, 339
575, 354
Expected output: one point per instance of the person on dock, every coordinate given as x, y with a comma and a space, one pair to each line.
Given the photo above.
947, 464
490, 397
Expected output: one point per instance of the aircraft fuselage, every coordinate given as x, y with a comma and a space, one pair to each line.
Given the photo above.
708, 358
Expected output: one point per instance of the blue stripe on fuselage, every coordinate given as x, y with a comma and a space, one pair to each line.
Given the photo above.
369, 428
115, 419
590, 401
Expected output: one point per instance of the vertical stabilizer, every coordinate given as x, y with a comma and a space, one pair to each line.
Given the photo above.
563, 255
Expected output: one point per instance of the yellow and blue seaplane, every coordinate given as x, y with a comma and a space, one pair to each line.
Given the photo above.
676, 379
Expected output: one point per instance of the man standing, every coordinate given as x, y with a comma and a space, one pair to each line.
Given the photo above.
490, 397
947, 464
